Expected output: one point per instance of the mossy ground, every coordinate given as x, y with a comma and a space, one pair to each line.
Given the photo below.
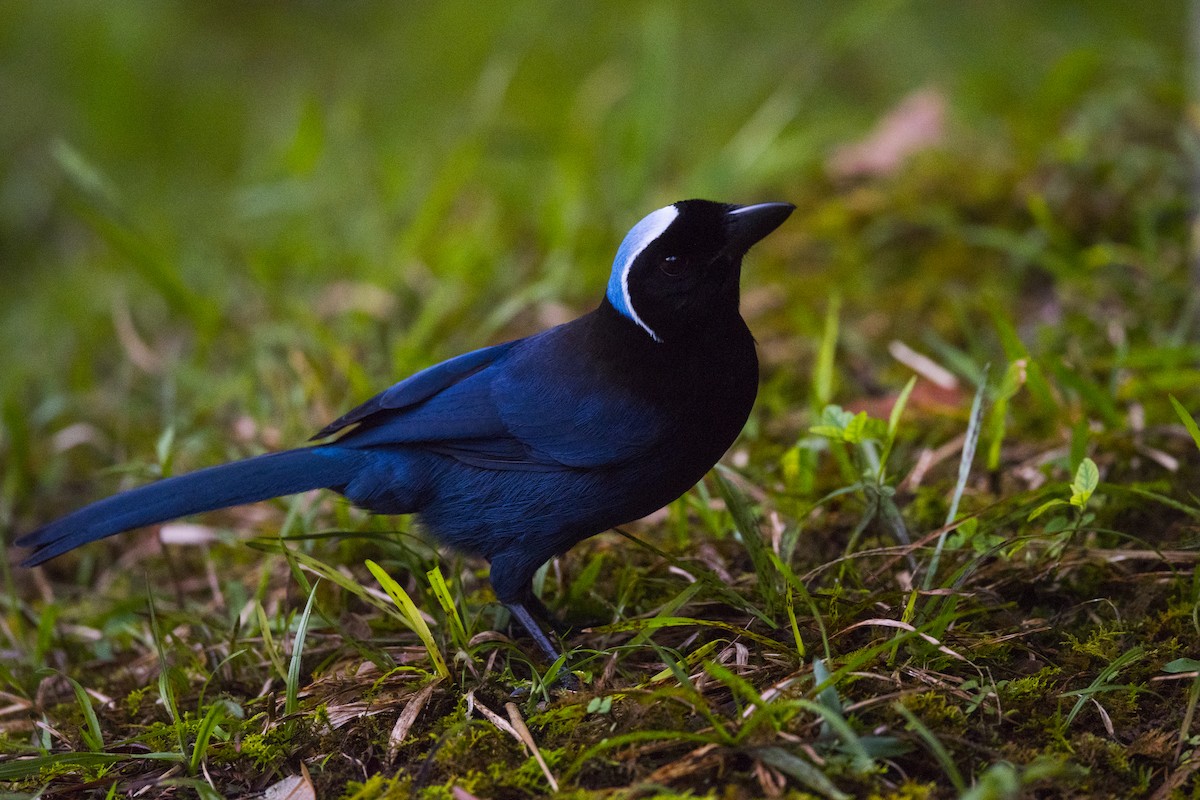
220, 227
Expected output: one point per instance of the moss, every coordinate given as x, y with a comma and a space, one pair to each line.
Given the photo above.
1102, 642
378, 787
269, 749
1030, 688
937, 711
908, 790
133, 700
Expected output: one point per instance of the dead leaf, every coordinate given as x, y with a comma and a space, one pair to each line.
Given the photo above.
407, 717
293, 787
917, 123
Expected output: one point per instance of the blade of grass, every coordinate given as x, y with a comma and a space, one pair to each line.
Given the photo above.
691, 660
93, 735
1093, 397
22, 768
737, 685
1102, 681
292, 701
264, 627
411, 615
166, 689
1187, 419
789, 605
796, 585
675, 622
823, 369
633, 737
964, 471
705, 576
934, 745
219, 711
437, 584
668, 609
743, 517
894, 424
997, 417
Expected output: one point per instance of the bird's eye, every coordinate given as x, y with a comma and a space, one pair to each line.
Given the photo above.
671, 266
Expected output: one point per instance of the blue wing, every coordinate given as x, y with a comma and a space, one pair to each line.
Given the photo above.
418, 388
531, 404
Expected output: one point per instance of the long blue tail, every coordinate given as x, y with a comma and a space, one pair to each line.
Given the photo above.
259, 478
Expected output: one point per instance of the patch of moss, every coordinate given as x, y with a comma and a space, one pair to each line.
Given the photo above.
134, 699
378, 787
1102, 642
937, 711
909, 790
269, 748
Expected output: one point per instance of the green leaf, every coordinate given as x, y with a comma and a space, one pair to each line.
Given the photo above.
862, 428
838, 423
828, 431
1182, 665
836, 417
1044, 507
600, 705
1187, 419
163, 449
801, 771
1087, 478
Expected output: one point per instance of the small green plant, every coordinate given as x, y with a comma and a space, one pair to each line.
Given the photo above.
865, 463
1062, 528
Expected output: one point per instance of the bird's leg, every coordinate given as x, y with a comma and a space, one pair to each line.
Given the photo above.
525, 612
521, 611
544, 616
512, 580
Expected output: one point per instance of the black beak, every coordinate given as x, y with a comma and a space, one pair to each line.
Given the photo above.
748, 225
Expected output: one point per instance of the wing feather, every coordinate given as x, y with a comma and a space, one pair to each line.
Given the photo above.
534, 404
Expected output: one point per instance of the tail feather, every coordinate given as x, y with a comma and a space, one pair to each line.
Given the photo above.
259, 478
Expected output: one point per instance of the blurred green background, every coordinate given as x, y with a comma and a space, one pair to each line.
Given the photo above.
223, 224
273, 209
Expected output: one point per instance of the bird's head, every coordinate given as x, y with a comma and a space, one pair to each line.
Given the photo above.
681, 264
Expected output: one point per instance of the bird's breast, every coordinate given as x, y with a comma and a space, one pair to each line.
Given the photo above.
701, 393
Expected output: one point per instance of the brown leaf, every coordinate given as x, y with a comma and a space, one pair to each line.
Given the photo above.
293, 787
916, 124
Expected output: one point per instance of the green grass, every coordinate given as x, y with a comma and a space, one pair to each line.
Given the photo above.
223, 225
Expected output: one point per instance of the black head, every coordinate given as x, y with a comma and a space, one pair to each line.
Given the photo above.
681, 264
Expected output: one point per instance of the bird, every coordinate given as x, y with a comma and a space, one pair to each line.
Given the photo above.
518, 451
